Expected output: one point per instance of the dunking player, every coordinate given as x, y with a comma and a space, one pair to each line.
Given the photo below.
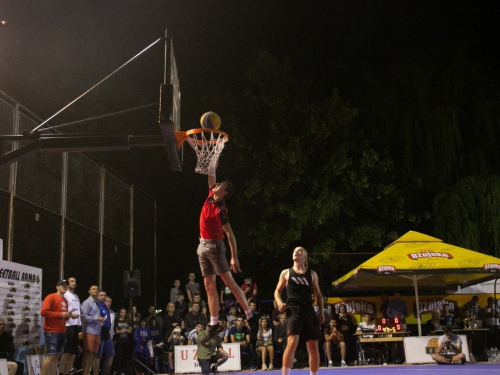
214, 222
302, 320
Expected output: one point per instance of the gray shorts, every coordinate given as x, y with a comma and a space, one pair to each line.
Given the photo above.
212, 257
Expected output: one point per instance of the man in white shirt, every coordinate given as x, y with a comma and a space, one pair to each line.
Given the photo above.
73, 329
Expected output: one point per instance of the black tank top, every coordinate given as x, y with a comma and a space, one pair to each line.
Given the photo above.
299, 287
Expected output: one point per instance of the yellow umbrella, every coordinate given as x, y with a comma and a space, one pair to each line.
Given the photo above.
416, 258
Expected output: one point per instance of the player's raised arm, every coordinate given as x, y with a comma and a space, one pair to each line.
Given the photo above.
212, 179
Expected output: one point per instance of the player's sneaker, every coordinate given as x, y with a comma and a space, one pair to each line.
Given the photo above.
211, 333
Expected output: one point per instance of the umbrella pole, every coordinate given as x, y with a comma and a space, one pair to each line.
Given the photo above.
419, 322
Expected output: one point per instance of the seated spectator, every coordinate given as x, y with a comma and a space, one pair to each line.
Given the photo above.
193, 317
197, 298
250, 289
280, 334
7, 350
264, 343
490, 319
447, 317
226, 299
275, 314
152, 314
224, 334
193, 335
175, 338
334, 339
231, 318
367, 327
240, 334
171, 319
449, 350
434, 323
181, 306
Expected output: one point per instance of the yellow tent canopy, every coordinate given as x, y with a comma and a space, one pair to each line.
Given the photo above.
416, 259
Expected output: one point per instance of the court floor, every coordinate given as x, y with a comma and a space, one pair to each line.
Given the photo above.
467, 369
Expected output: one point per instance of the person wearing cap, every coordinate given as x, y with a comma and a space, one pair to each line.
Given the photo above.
55, 312
73, 329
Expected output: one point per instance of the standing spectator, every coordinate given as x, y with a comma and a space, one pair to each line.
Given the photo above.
55, 312
265, 343
152, 314
193, 317
471, 309
7, 351
193, 335
181, 305
447, 317
134, 317
91, 328
157, 337
175, 291
490, 317
384, 304
142, 335
253, 325
171, 319
397, 309
192, 287
106, 347
123, 338
197, 298
109, 302
73, 329
250, 289
345, 324
241, 334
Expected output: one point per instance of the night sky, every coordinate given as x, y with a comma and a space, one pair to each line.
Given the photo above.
52, 51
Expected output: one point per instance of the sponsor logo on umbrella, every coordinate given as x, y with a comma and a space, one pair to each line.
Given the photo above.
386, 270
429, 254
493, 267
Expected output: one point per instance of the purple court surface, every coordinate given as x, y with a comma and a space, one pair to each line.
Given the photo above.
467, 369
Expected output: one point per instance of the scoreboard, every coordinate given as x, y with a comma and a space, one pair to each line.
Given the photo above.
388, 325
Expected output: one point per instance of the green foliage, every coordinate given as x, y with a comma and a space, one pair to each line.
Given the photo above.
305, 171
468, 213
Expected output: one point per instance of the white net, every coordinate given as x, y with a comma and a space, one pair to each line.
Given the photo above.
208, 145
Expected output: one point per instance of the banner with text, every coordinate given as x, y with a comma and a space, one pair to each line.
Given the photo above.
186, 360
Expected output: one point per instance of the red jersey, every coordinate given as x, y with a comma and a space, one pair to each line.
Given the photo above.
52, 307
213, 217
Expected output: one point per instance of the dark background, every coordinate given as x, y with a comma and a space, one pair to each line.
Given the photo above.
52, 51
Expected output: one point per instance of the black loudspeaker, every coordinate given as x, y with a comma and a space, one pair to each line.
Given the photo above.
132, 283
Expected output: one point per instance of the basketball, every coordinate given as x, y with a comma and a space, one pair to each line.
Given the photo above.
210, 120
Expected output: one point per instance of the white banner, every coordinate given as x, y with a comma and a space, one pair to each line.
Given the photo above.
419, 349
186, 360
34, 364
21, 288
4, 370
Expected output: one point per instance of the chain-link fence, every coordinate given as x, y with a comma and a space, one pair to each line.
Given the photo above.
70, 216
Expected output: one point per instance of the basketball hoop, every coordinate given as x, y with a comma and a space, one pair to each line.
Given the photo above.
208, 145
